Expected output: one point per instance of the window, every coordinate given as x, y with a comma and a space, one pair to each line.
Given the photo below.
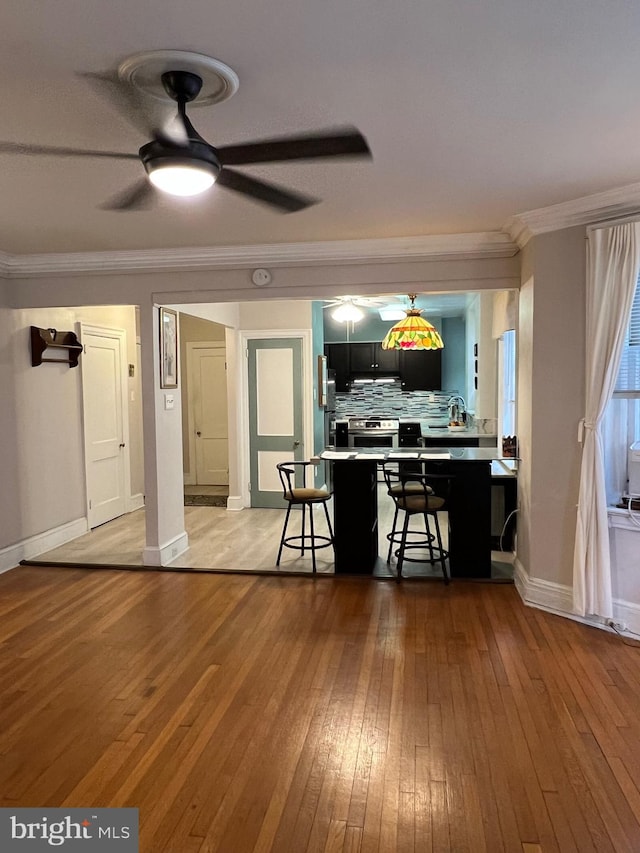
628, 382
621, 425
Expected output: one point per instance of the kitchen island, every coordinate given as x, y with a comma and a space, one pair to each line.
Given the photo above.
355, 477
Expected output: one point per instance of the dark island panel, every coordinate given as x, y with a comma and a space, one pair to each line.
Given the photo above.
355, 516
356, 513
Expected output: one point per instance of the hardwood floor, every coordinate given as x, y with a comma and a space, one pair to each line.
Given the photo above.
245, 713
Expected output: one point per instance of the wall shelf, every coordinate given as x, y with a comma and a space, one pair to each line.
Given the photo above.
44, 339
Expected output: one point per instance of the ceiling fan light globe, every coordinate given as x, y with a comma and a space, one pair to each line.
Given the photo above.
182, 179
347, 313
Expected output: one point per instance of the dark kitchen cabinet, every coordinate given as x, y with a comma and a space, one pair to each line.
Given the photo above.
370, 359
338, 360
421, 370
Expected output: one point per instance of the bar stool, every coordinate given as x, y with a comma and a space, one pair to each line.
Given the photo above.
419, 493
304, 497
394, 488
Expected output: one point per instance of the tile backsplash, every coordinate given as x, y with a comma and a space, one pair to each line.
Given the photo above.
390, 399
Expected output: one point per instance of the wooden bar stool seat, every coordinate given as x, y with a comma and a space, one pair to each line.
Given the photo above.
305, 497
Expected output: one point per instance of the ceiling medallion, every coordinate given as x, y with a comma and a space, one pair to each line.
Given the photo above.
144, 70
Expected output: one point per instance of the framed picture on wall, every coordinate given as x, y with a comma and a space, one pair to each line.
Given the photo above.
168, 348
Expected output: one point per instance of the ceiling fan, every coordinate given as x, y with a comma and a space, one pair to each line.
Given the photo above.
179, 161
360, 301
349, 308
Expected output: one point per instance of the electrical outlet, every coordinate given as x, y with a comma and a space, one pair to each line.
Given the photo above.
617, 626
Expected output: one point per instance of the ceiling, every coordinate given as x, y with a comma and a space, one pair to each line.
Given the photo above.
432, 304
473, 114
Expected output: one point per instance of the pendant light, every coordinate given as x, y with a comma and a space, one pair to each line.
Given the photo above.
413, 332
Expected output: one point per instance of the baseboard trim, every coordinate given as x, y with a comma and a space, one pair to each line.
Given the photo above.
629, 613
558, 599
41, 542
165, 554
135, 502
549, 595
235, 503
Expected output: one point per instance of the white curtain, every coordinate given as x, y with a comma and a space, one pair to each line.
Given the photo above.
613, 261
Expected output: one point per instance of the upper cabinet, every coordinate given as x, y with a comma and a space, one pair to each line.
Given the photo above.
338, 360
418, 371
369, 358
421, 370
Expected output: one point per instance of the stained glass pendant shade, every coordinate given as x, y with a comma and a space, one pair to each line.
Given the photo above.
414, 332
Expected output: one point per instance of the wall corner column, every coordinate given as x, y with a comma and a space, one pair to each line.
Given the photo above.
166, 537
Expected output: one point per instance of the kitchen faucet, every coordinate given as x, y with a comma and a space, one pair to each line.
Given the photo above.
457, 409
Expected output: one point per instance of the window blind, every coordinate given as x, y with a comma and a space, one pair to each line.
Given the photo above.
628, 382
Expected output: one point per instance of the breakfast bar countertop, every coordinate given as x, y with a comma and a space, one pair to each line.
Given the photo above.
382, 454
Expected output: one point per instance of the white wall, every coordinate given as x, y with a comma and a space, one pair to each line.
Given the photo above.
625, 559
551, 378
47, 465
524, 417
486, 405
276, 315
43, 475
478, 319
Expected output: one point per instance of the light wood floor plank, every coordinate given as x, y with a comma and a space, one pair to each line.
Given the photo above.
224, 540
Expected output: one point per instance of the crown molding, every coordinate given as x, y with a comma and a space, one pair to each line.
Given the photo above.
6, 265
489, 244
590, 209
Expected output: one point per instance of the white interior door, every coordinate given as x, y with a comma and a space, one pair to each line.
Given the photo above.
208, 406
105, 427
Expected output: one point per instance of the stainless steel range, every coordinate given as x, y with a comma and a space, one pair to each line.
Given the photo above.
373, 432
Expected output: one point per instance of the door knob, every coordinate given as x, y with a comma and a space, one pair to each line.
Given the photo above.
296, 444
198, 433
123, 444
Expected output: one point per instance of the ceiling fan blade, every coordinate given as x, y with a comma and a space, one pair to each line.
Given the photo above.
348, 143
55, 151
284, 200
154, 118
368, 301
138, 196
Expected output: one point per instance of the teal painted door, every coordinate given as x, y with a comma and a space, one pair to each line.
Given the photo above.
275, 414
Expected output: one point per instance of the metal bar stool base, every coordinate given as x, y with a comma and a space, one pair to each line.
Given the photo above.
437, 556
422, 540
286, 543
